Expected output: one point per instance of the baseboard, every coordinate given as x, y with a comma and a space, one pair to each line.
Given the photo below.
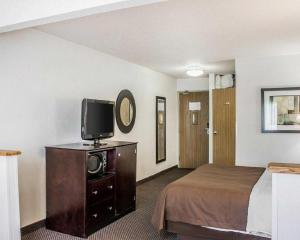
32, 227
40, 224
147, 179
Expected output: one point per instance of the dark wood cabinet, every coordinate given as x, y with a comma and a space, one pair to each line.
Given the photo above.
125, 179
79, 205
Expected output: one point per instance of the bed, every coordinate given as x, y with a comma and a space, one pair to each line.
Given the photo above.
217, 203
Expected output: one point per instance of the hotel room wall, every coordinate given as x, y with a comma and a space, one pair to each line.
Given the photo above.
43, 81
192, 84
254, 148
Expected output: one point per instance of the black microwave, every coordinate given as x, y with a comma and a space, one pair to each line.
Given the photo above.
96, 164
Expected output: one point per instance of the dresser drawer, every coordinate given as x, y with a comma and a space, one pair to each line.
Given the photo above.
100, 213
99, 190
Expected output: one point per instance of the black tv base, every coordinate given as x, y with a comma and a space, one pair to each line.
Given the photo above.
96, 143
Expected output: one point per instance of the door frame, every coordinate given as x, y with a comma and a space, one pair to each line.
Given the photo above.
209, 119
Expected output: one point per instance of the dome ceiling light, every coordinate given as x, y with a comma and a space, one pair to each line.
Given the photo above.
194, 71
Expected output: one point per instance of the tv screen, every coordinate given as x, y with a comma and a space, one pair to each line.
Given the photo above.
97, 120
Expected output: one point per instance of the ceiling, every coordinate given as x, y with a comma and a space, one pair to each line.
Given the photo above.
16, 15
171, 35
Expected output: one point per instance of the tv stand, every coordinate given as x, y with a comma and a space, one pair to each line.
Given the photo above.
79, 205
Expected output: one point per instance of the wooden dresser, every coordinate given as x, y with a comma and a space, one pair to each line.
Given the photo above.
79, 206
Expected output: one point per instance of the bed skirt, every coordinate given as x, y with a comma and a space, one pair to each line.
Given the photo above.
192, 232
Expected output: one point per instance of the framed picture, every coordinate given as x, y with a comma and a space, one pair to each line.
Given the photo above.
280, 110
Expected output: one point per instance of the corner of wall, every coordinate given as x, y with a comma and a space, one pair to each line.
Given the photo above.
211, 85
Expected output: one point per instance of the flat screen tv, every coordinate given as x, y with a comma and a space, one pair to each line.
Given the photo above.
97, 119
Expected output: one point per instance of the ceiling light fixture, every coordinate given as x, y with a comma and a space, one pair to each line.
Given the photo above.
194, 71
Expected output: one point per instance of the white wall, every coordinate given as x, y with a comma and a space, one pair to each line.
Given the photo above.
253, 147
192, 84
43, 81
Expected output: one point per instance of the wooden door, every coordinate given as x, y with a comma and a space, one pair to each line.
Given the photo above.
224, 126
125, 178
193, 129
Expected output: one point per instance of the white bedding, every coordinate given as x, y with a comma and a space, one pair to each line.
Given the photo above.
260, 207
259, 222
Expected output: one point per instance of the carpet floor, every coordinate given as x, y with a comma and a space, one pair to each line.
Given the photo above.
133, 226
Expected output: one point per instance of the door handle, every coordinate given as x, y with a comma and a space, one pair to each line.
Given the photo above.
215, 132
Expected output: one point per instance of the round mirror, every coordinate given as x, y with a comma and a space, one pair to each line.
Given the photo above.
125, 111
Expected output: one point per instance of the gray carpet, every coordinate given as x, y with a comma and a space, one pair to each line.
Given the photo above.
134, 226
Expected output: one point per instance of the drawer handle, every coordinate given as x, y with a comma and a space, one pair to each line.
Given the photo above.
95, 192
110, 187
95, 215
110, 208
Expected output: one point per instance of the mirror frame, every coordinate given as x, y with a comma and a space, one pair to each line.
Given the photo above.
125, 94
165, 129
